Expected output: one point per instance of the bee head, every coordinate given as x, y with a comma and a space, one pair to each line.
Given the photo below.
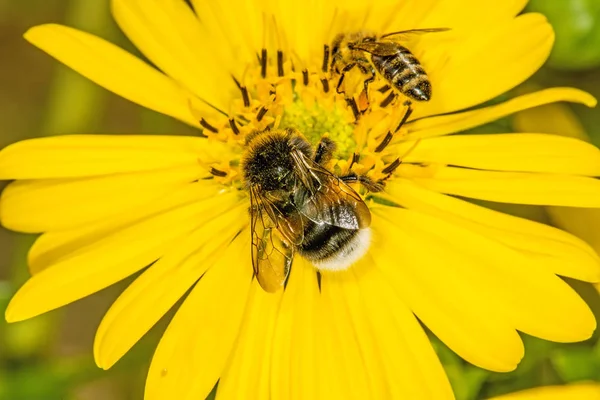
269, 162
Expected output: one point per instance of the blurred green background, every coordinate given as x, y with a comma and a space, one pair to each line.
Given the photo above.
50, 357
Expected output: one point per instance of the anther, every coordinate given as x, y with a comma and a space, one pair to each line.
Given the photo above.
217, 172
386, 102
325, 83
319, 280
234, 126
392, 167
386, 140
263, 63
384, 88
407, 114
325, 66
208, 126
279, 63
261, 113
355, 159
245, 95
352, 104
305, 77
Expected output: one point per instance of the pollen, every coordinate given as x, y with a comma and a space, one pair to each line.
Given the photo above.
316, 121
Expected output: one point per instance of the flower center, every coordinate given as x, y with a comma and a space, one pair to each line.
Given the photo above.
273, 95
316, 121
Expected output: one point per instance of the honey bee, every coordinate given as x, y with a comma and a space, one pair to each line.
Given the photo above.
398, 66
299, 206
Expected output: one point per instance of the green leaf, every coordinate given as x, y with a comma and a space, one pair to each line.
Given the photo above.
576, 364
577, 27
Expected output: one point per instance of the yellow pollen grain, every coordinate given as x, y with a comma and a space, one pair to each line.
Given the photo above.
315, 122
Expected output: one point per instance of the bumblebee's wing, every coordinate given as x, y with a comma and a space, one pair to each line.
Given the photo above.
334, 203
271, 257
413, 32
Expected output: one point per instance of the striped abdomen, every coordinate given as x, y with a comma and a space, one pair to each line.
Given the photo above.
333, 248
405, 73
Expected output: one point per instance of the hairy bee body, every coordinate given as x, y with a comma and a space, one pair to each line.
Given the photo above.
394, 62
297, 205
405, 73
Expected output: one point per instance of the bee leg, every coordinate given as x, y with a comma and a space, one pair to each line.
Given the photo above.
366, 68
324, 151
343, 75
365, 181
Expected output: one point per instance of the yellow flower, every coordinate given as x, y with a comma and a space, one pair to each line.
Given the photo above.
109, 206
575, 391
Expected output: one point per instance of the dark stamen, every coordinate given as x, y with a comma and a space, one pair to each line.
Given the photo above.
392, 167
352, 104
305, 77
245, 95
409, 111
263, 63
279, 63
384, 89
325, 83
208, 126
325, 66
319, 280
234, 126
386, 102
261, 113
355, 159
217, 172
386, 140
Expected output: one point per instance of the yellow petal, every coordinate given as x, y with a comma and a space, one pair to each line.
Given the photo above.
469, 13
233, 31
443, 289
523, 152
75, 156
446, 124
362, 369
502, 56
152, 294
57, 204
552, 248
244, 377
113, 257
195, 347
534, 300
170, 35
283, 346
305, 355
114, 69
410, 366
351, 361
557, 119
53, 246
510, 187
575, 391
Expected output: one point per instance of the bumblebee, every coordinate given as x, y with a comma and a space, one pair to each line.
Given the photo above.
398, 66
299, 206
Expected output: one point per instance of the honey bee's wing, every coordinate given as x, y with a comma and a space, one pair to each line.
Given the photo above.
381, 49
331, 203
399, 34
271, 256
